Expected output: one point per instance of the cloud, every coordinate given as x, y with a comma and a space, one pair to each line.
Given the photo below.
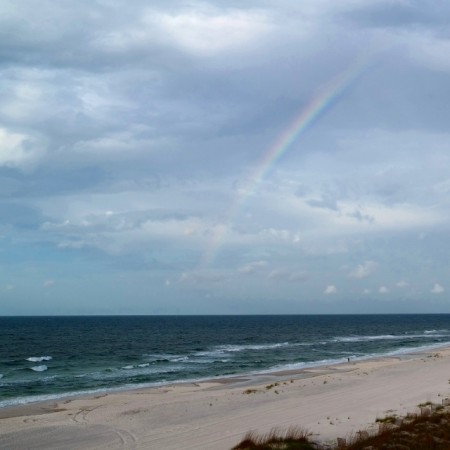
330, 289
48, 283
328, 201
288, 275
18, 150
399, 15
210, 31
252, 267
437, 289
401, 284
139, 137
361, 217
383, 290
364, 270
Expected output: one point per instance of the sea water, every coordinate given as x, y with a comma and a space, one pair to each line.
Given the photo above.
50, 357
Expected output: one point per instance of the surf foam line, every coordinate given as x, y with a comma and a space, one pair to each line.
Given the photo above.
326, 98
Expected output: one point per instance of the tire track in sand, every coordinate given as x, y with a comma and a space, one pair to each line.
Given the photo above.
127, 439
81, 415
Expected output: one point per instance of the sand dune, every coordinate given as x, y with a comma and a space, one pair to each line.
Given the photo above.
331, 402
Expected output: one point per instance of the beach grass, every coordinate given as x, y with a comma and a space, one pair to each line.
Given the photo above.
294, 438
428, 429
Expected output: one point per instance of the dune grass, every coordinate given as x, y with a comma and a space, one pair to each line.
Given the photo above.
294, 438
429, 429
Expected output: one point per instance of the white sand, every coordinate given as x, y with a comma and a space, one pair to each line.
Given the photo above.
331, 401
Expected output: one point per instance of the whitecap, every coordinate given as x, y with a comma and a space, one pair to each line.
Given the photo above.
179, 359
222, 350
240, 348
128, 367
39, 358
386, 337
41, 368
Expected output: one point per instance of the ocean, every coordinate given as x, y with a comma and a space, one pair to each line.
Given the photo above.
44, 358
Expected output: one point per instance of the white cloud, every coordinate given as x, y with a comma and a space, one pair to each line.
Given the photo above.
210, 32
18, 150
366, 291
48, 283
402, 284
25, 96
330, 289
364, 270
383, 290
437, 289
201, 30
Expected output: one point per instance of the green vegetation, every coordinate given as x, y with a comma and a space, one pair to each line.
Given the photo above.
387, 419
250, 391
428, 430
294, 438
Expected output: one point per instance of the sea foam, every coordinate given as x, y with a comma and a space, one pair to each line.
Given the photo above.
41, 368
39, 358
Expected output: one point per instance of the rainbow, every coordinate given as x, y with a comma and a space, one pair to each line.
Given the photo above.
315, 109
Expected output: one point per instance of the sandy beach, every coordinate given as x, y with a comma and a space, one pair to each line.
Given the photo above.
329, 401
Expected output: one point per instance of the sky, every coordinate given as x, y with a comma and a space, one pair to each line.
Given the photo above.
257, 157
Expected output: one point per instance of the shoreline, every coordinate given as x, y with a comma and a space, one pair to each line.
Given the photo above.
304, 367
330, 401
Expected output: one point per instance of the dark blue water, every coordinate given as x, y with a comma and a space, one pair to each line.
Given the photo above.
48, 357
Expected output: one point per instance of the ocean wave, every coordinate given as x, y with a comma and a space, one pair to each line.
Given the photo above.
39, 358
387, 337
222, 350
125, 372
41, 368
179, 359
304, 365
142, 366
399, 352
217, 353
240, 348
165, 357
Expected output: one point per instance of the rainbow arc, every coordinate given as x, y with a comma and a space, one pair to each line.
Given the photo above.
307, 117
